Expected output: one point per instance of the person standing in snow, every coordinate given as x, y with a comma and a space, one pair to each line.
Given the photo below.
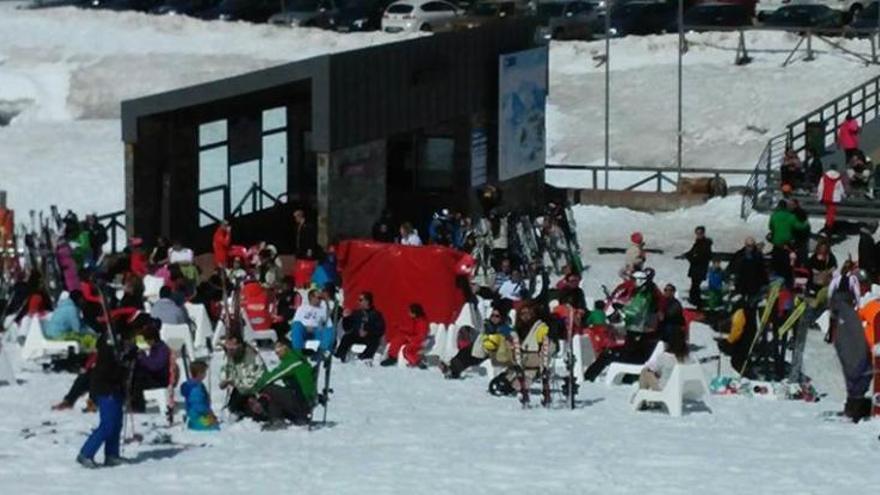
635, 255
699, 256
783, 225
749, 270
830, 193
115, 355
848, 136
199, 415
305, 239
221, 243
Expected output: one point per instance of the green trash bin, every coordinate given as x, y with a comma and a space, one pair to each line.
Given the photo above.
815, 137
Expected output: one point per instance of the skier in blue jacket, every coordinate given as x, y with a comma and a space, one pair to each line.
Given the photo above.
199, 415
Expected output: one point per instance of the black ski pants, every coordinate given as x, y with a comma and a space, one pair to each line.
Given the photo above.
351, 338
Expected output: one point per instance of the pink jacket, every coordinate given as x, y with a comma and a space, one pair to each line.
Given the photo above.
848, 134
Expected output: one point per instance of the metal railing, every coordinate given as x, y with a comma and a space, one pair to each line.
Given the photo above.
115, 226
761, 179
658, 175
863, 102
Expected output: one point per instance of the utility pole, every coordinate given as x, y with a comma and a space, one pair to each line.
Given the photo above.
607, 88
681, 48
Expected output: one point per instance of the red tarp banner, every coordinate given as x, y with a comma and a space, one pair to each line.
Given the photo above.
402, 275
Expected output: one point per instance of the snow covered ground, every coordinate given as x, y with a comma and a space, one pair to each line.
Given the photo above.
410, 431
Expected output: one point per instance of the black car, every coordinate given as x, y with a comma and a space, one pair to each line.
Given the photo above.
866, 19
810, 15
643, 18
566, 19
242, 10
717, 14
185, 7
355, 15
137, 5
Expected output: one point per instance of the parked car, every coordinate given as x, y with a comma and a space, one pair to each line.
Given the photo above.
417, 15
241, 10
137, 5
717, 14
479, 14
866, 19
765, 8
806, 16
566, 19
304, 12
643, 17
365, 15
185, 7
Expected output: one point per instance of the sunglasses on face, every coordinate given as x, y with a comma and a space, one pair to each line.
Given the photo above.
496, 315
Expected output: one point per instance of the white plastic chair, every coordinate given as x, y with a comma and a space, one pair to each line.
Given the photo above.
36, 346
401, 361
203, 329
7, 372
439, 347
251, 335
178, 337
617, 371
152, 285
824, 321
451, 348
686, 382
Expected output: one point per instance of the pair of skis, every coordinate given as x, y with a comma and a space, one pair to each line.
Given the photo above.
520, 374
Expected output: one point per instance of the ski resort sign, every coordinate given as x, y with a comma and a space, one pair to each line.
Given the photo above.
522, 96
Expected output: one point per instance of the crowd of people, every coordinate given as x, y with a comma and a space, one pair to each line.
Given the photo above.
104, 309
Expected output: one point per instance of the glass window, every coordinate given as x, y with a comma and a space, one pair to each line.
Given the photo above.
400, 8
211, 203
437, 167
242, 177
274, 118
212, 167
212, 133
274, 166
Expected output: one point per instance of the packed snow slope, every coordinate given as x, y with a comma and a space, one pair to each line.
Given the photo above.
64, 71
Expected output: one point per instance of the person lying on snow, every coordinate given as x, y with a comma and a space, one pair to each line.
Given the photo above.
287, 392
199, 415
411, 338
491, 342
243, 368
530, 348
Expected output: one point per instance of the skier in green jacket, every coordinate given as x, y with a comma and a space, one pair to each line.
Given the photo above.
288, 391
783, 224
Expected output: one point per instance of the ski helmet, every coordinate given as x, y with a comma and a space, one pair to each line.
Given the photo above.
637, 238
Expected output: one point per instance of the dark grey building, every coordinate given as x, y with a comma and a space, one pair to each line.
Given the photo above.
411, 126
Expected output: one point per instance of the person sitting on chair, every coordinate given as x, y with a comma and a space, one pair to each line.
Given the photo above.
167, 311
310, 322
658, 369
410, 338
364, 326
152, 366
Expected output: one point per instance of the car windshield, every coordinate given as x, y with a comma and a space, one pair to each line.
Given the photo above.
400, 8
485, 9
302, 5
551, 9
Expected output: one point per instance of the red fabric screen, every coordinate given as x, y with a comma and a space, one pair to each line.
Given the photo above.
401, 275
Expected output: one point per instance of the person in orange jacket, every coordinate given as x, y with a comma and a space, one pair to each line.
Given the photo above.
221, 243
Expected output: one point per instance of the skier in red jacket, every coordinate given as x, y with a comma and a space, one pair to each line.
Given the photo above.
221, 243
831, 192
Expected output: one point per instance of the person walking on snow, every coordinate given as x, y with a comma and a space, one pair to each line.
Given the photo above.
635, 255
699, 256
848, 136
831, 192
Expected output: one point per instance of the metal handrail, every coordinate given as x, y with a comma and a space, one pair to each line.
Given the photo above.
111, 223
